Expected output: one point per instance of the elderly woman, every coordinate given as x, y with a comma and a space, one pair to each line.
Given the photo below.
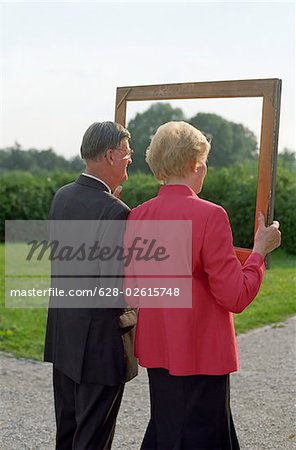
190, 352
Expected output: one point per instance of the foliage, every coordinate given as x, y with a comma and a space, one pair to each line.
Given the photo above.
287, 159
285, 210
22, 330
235, 189
144, 126
138, 189
36, 161
231, 142
23, 196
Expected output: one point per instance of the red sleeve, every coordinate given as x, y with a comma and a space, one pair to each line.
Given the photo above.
233, 286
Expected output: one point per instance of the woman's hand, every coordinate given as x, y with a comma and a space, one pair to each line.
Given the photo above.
267, 239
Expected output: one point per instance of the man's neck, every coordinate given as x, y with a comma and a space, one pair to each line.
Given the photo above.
97, 177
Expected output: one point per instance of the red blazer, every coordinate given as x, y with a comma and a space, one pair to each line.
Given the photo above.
199, 340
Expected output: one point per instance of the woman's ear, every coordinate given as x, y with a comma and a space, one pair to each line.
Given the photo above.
196, 167
200, 169
204, 169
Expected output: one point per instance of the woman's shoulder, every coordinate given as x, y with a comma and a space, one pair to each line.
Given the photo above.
209, 207
191, 207
137, 211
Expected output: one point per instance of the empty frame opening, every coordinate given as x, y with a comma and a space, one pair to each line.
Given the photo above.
234, 123
267, 91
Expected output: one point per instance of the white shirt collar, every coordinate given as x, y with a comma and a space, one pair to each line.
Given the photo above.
98, 179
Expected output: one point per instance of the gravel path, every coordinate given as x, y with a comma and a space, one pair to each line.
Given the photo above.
263, 395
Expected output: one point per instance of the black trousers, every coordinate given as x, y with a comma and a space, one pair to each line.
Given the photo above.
85, 413
189, 412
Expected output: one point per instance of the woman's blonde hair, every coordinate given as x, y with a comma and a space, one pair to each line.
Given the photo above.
175, 149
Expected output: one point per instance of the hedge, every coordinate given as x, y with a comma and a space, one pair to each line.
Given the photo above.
24, 196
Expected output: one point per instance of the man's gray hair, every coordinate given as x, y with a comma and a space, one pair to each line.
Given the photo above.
99, 137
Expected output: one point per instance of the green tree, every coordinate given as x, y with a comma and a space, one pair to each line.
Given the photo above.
144, 126
48, 160
14, 158
287, 159
230, 142
76, 164
35, 161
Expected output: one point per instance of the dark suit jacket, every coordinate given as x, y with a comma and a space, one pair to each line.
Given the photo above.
90, 344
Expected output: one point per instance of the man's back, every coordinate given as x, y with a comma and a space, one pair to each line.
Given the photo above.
89, 338
86, 343
87, 199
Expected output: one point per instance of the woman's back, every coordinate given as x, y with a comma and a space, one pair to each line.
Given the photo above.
198, 339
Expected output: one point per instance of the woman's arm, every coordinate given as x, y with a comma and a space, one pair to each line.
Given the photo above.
234, 286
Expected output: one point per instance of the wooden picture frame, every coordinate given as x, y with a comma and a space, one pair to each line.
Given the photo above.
268, 89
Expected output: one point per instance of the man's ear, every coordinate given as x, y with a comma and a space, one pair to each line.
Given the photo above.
109, 156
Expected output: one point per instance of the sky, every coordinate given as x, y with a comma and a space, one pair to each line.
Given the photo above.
61, 62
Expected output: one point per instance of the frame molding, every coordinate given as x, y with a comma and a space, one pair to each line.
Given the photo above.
268, 89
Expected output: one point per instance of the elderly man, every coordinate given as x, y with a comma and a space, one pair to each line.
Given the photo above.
91, 348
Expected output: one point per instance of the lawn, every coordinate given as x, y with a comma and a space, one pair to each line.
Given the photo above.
22, 330
276, 299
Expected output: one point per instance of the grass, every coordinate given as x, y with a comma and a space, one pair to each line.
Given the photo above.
276, 299
22, 331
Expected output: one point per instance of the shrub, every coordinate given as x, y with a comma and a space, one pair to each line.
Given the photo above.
285, 207
139, 188
23, 196
235, 189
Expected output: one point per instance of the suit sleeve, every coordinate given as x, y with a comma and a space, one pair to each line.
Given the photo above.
233, 286
130, 279
112, 269
118, 210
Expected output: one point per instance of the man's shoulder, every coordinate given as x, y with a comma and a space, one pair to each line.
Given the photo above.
64, 190
117, 209
82, 201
